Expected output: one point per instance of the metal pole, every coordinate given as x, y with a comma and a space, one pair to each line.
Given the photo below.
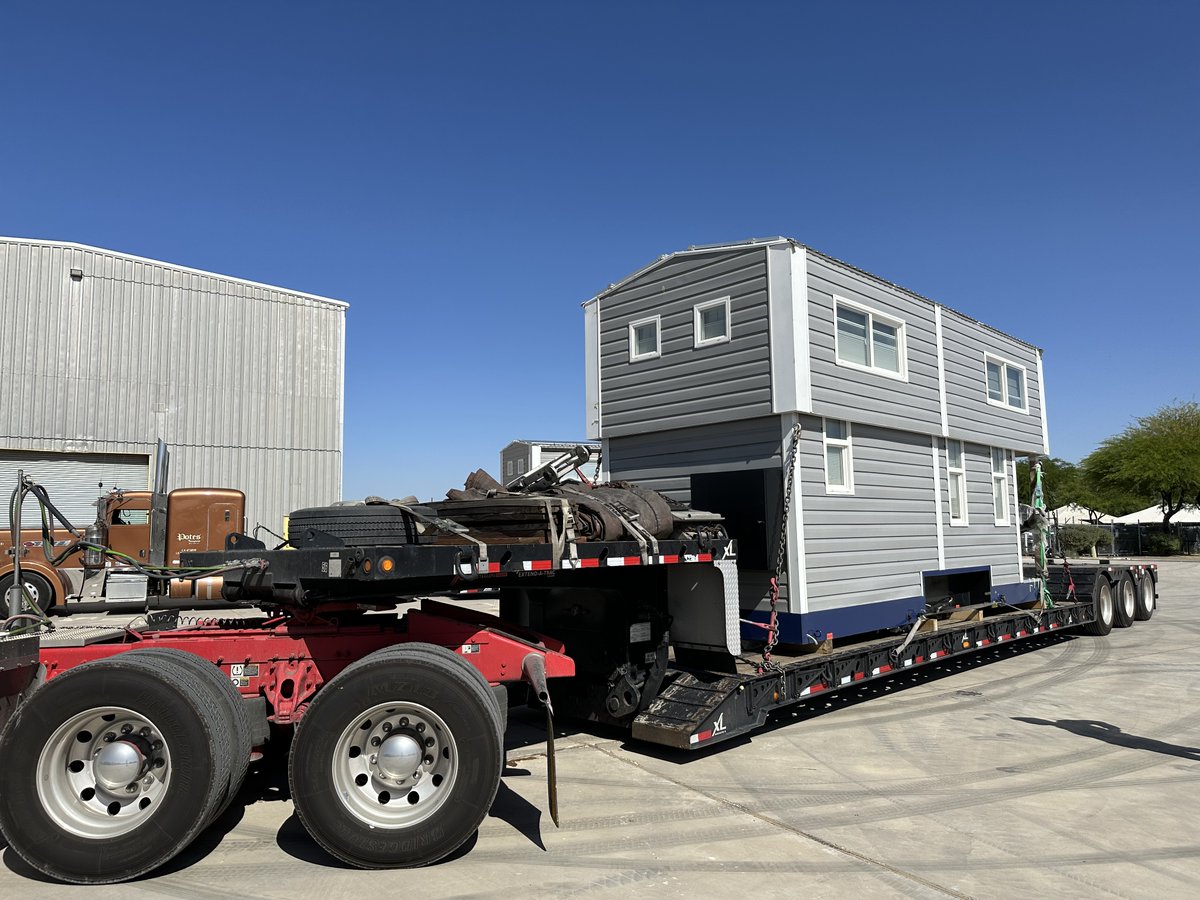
14, 513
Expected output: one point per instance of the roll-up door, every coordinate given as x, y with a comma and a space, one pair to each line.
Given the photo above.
71, 479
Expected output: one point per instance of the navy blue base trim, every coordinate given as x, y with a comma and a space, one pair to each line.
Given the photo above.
847, 621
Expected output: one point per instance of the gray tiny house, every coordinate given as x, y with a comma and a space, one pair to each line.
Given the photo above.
911, 417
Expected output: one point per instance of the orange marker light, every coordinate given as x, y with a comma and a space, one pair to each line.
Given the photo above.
387, 564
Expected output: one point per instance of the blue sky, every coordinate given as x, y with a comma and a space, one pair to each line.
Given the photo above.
465, 175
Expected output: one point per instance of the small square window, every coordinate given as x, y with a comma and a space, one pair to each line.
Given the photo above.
645, 340
711, 322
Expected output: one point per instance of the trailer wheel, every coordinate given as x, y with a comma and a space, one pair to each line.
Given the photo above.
40, 590
397, 760
230, 700
1146, 604
1125, 593
1103, 608
112, 768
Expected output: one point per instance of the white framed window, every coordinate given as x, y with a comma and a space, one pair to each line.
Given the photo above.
710, 322
1000, 485
869, 340
839, 458
508, 468
645, 339
1005, 383
520, 467
956, 476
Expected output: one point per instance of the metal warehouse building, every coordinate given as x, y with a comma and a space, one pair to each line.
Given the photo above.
102, 353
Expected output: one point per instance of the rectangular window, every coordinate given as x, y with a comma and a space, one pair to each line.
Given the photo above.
1005, 383
508, 468
956, 474
839, 461
711, 322
1000, 485
645, 341
869, 340
520, 467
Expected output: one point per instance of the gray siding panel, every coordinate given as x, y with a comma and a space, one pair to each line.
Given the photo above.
873, 544
847, 393
970, 414
981, 542
243, 381
687, 385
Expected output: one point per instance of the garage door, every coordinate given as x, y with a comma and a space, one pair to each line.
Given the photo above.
71, 479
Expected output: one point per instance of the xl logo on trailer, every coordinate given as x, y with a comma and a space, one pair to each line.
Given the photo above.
718, 728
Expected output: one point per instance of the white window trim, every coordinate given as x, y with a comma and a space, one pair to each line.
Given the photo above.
1000, 482
634, 356
508, 468
872, 314
847, 442
1003, 402
697, 310
953, 472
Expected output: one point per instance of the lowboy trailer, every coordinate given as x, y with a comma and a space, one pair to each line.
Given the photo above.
127, 742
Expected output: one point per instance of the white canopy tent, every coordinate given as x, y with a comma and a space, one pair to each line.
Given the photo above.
1153, 515
1074, 514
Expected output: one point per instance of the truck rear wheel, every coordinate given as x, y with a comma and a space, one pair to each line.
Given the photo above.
1146, 603
1125, 594
230, 700
40, 590
1103, 608
112, 768
398, 759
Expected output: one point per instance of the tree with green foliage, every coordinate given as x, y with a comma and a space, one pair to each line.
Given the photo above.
1063, 483
1158, 456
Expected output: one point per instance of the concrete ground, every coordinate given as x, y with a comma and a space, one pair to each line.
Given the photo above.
1067, 766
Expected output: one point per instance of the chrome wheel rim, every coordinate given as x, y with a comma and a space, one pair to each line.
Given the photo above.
1105, 603
103, 772
1128, 599
395, 765
1148, 595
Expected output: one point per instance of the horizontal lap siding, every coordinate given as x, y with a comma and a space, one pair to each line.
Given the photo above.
847, 393
873, 544
665, 460
687, 386
970, 415
982, 542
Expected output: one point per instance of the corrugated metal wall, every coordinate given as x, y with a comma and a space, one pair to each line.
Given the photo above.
243, 381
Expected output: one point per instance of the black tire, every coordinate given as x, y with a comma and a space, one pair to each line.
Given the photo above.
1103, 608
358, 526
1146, 601
231, 704
351, 815
38, 782
1124, 600
37, 585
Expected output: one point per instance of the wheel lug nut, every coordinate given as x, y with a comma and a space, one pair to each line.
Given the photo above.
429, 760
157, 745
159, 763
144, 731
375, 742
404, 722
148, 780
429, 742
109, 738
131, 789
420, 727
126, 728
387, 727
373, 758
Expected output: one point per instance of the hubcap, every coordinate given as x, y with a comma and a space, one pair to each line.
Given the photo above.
1106, 604
104, 772
395, 765
119, 764
1127, 598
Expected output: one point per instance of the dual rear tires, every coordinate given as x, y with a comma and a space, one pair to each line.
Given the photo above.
115, 766
398, 759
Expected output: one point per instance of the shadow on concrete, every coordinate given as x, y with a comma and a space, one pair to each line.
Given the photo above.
1111, 734
515, 810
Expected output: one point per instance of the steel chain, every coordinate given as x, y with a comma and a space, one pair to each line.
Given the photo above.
781, 556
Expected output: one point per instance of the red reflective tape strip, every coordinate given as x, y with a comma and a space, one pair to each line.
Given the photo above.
859, 676
883, 669
704, 735
592, 563
633, 560
920, 659
539, 565
493, 567
705, 557
984, 642
670, 559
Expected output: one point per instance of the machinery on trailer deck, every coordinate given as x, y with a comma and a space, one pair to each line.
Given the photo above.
125, 743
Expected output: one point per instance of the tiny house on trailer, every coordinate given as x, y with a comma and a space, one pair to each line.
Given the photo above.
911, 416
